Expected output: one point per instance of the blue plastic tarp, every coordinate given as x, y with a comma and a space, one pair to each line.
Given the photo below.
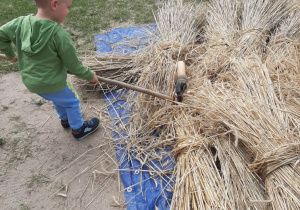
141, 191
115, 40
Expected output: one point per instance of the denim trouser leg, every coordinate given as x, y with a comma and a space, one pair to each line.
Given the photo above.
61, 111
67, 106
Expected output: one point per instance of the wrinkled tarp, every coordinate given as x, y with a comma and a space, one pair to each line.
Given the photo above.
122, 40
141, 191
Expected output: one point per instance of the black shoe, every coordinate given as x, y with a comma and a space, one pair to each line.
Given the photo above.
86, 129
65, 123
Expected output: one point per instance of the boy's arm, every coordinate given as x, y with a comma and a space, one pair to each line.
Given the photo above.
5, 43
68, 55
7, 34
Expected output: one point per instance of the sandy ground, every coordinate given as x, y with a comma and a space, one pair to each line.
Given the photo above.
42, 166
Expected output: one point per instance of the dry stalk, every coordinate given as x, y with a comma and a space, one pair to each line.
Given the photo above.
283, 61
241, 107
250, 109
219, 91
259, 18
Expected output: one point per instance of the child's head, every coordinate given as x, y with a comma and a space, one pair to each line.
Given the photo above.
42, 3
57, 10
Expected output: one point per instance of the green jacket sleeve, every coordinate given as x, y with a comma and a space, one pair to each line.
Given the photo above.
7, 36
67, 53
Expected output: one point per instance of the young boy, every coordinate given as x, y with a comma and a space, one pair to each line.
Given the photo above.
45, 52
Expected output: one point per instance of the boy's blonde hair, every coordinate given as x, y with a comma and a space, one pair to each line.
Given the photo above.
42, 3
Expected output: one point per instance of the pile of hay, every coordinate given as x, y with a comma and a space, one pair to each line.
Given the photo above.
236, 136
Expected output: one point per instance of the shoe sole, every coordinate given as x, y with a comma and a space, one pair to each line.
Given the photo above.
88, 133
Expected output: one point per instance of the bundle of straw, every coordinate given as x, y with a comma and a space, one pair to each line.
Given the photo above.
174, 40
237, 132
282, 59
159, 118
112, 66
252, 113
258, 19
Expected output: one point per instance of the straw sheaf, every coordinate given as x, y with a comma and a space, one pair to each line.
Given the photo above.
282, 58
184, 145
176, 22
258, 127
176, 33
240, 109
281, 156
260, 17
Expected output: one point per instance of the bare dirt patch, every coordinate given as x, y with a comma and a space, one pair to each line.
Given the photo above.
42, 165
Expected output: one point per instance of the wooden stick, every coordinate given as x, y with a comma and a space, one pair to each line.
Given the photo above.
135, 88
181, 69
124, 85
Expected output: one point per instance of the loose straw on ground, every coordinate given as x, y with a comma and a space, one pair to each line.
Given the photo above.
236, 134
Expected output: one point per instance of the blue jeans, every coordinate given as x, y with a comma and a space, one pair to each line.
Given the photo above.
66, 104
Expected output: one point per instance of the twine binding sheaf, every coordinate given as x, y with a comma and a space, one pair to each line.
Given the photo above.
271, 161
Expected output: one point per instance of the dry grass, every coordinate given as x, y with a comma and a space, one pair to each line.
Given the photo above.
236, 135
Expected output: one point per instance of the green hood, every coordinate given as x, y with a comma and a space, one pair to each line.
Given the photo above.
45, 53
35, 39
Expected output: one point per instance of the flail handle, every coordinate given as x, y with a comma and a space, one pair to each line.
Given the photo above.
135, 88
181, 69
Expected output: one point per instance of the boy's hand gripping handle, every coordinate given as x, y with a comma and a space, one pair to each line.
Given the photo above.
12, 60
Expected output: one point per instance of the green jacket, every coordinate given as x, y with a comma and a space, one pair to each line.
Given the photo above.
45, 53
